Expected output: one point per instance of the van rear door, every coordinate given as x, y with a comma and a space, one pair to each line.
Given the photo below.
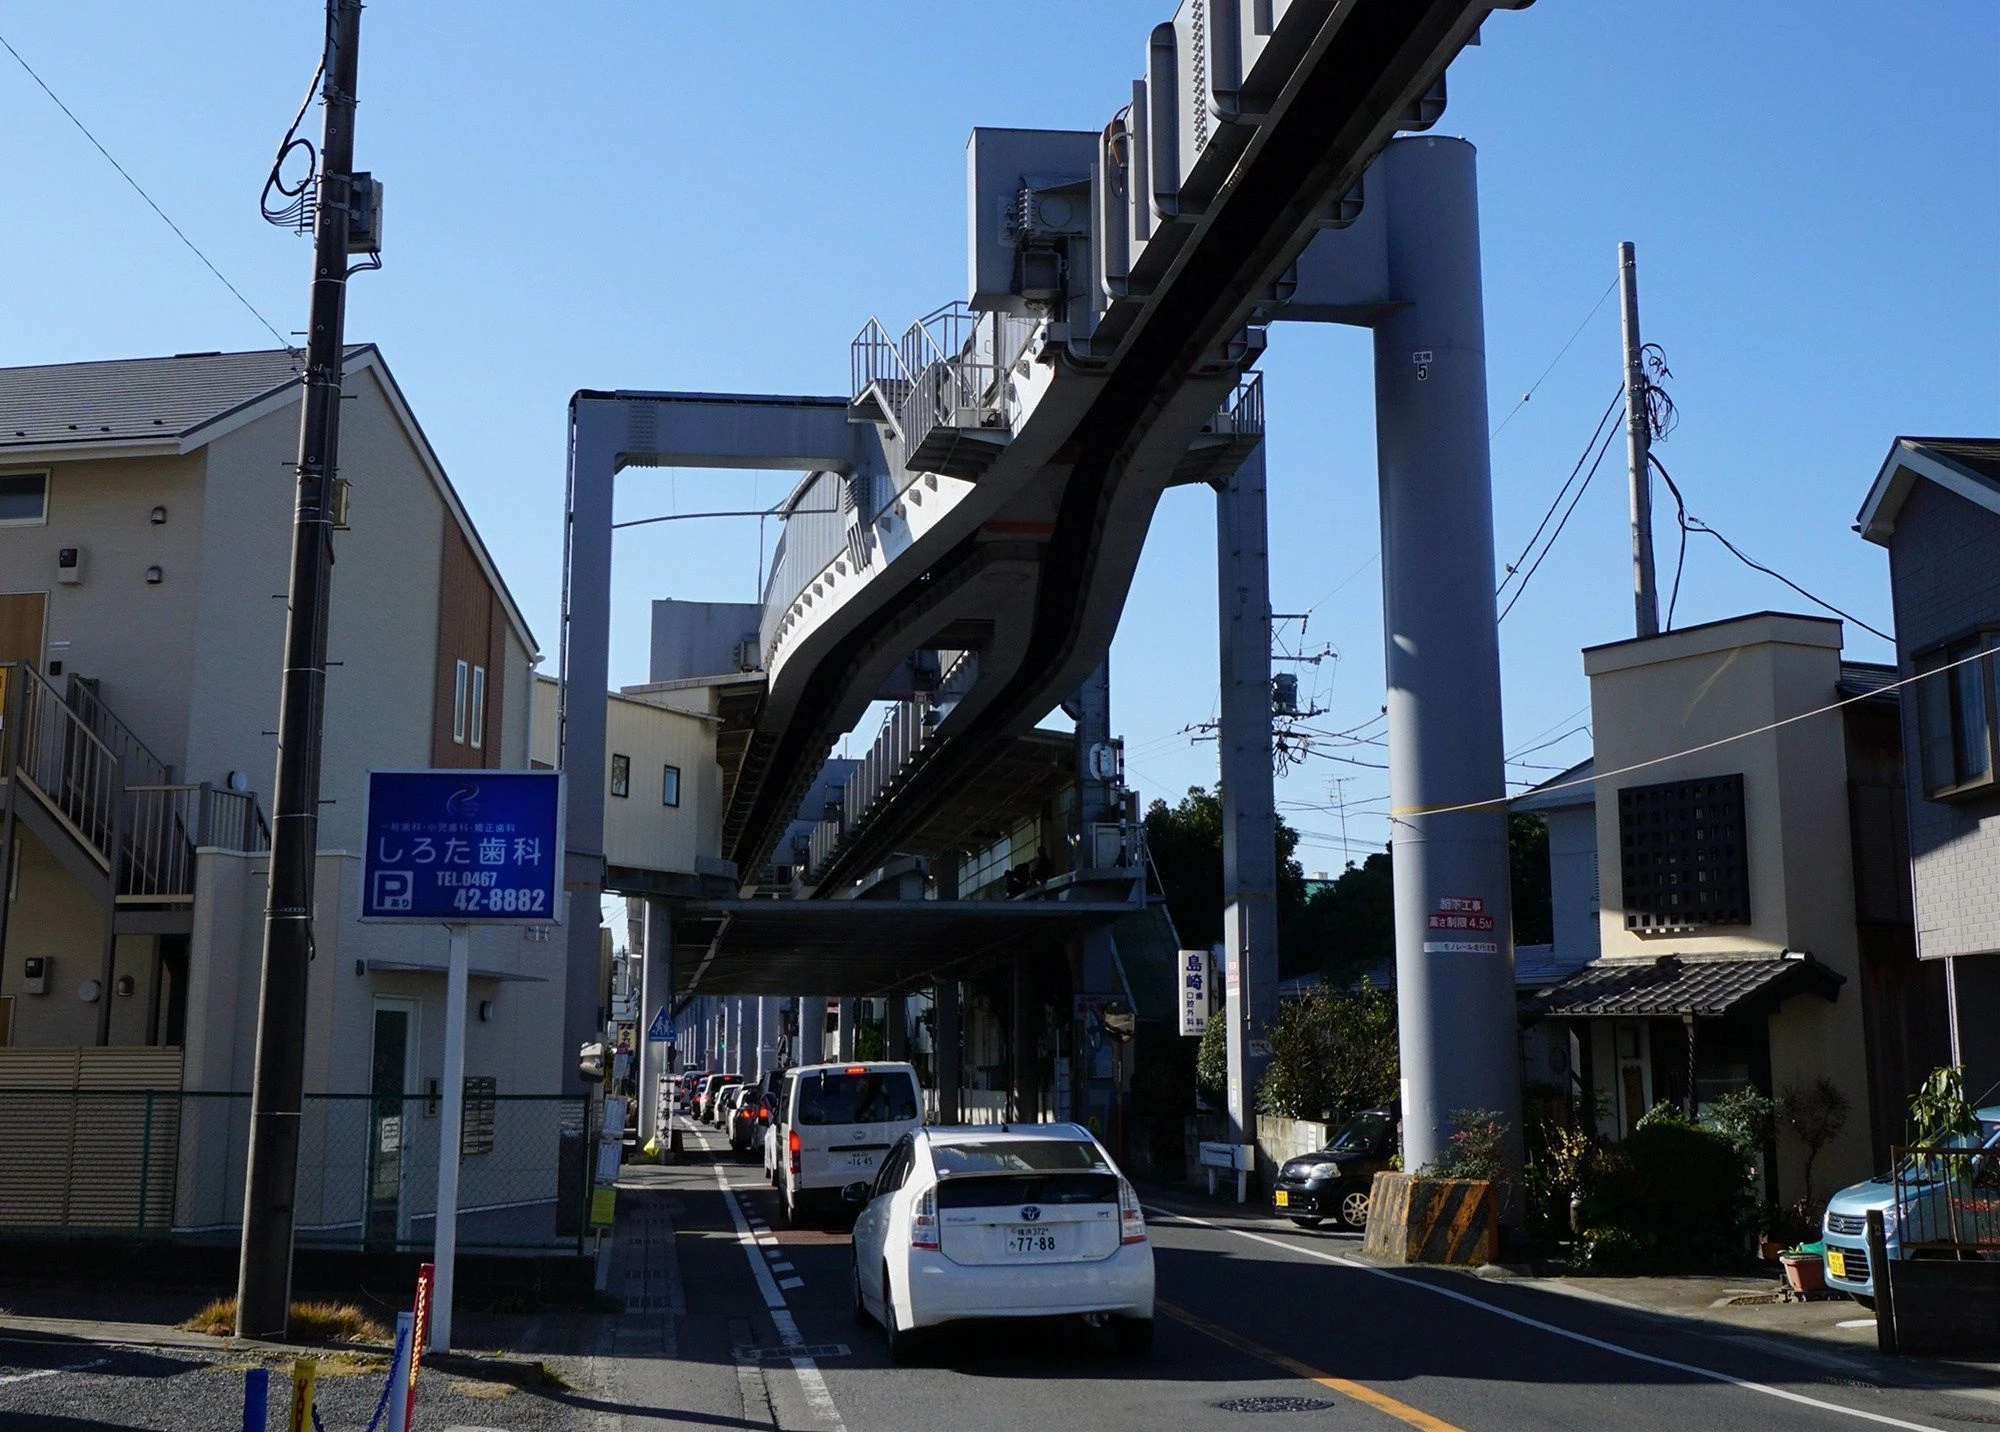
847, 1117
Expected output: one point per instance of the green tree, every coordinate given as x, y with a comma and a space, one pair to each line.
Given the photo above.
1211, 1067
1333, 1053
1349, 925
1528, 871
1185, 842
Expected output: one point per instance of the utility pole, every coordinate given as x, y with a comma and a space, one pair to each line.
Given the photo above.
1638, 447
264, 1276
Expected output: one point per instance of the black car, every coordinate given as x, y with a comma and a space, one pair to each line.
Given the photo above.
1334, 1182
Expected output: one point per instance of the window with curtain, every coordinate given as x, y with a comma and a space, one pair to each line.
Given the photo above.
1954, 697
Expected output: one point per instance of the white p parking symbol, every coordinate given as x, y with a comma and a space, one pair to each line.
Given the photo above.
394, 890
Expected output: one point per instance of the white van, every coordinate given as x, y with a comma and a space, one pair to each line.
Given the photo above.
839, 1120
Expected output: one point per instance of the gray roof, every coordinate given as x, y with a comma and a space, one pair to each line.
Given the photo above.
1703, 985
137, 399
1969, 467
1573, 787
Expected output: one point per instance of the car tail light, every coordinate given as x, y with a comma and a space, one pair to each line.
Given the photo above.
1131, 1221
923, 1222
793, 1144
857, 1068
763, 1116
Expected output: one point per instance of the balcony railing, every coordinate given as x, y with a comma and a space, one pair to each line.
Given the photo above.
143, 834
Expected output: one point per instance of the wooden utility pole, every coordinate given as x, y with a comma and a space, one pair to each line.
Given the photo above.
1638, 450
264, 1276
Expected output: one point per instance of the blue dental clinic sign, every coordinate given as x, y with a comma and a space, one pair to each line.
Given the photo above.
463, 847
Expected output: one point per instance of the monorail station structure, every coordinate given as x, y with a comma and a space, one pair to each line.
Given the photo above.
963, 536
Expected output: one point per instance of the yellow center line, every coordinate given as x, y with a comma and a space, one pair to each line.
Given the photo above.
1368, 1396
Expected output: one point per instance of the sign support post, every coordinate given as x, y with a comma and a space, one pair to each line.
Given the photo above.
451, 1123
460, 848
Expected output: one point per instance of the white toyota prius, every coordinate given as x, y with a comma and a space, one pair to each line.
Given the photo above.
1032, 1221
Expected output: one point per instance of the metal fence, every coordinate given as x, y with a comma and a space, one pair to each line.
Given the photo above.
1947, 1200
169, 1164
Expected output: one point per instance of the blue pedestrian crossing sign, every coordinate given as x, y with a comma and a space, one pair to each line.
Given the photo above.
661, 1031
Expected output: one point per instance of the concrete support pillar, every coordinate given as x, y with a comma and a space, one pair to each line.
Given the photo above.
1447, 788
656, 991
850, 1016
1249, 811
898, 1017
948, 1040
586, 677
1023, 1028
1091, 707
812, 1031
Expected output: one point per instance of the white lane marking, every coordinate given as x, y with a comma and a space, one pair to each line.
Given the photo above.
811, 1383
1855, 1323
791, 1282
1710, 1373
52, 1371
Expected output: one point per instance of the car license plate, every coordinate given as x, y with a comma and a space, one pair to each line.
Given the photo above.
1836, 1262
1281, 1198
1032, 1242
861, 1160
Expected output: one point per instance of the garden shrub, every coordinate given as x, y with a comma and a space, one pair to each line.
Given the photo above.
1672, 1195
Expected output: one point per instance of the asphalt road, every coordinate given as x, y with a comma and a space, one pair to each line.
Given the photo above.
1262, 1327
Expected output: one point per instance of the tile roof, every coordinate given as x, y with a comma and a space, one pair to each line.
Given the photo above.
1706, 985
136, 399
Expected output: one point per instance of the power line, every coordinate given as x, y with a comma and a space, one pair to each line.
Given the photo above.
1555, 360
1695, 524
1549, 546
1719, 741
1514, 566
85, 132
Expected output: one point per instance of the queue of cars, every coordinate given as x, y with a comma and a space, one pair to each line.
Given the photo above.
950, 1224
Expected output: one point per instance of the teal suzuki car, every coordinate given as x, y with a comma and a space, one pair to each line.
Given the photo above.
1929, 1198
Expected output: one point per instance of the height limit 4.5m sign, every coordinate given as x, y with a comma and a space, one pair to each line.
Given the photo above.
471, 847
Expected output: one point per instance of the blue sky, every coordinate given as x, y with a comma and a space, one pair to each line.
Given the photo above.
706, 196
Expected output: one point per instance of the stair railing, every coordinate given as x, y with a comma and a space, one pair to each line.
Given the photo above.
77, 775
141, 765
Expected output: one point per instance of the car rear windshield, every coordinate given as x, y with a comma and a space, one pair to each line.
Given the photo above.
1017, 1156
1008, 1190
838, 1097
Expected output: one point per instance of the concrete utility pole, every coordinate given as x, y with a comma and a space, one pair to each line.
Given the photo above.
1638, 447
1249, 828
264, 1276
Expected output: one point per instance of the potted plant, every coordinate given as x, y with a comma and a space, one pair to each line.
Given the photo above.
1805, 1267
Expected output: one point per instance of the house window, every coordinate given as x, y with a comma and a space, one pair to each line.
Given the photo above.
458, 705
621, 775
24, 499
670, 785
1683, 854
478, 714
1955, 715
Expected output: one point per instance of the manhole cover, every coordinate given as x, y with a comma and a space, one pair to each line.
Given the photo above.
1274, 1404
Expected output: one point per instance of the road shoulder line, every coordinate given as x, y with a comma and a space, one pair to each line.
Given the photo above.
1713, 1375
